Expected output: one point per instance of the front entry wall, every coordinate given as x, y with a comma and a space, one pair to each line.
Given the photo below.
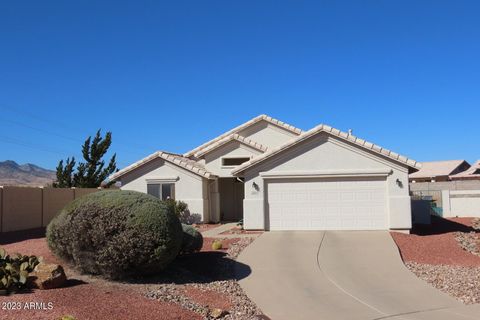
188, 186
325, 156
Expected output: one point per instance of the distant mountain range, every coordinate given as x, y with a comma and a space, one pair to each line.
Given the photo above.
14, 174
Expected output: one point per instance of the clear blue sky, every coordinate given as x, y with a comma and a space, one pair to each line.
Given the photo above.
171, 75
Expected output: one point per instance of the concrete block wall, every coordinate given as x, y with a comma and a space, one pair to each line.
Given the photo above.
23, 208
461, 203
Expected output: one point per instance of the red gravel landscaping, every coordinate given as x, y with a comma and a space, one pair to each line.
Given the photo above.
207, 226
87, 297
95, 300
238, 230
436, 245
210, 298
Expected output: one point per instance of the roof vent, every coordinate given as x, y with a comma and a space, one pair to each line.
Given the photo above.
350, 132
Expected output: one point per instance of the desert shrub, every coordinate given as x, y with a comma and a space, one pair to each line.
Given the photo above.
116, 234
183, 213
217, 245
192, 239
14, 271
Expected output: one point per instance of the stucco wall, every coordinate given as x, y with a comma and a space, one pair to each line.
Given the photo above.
321, 153
267, 134
233, 149
461, 203
188, 187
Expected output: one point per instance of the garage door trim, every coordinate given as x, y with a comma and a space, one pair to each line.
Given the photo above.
328, 174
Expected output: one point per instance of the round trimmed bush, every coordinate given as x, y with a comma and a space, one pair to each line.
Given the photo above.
192, 239
116, 234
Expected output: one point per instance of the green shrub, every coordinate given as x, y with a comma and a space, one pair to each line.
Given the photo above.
116, 234
217, 245
14, 271
192, 239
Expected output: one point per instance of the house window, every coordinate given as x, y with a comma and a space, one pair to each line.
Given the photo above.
231, 162
163, 191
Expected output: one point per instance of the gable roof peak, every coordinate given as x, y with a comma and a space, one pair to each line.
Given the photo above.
241, 127
335, 132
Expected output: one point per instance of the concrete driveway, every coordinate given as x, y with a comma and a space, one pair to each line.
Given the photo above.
340, 275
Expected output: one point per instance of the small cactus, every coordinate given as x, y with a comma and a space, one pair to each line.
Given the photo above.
14, 271
217, 245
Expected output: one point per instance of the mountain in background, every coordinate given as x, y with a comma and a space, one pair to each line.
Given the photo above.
13, 174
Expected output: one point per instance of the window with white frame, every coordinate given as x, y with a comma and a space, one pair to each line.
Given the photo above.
163, 191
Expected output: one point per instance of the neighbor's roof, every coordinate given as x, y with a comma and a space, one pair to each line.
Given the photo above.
335, 132
174, 158
473, 172
231, 137
436, 168
243, 126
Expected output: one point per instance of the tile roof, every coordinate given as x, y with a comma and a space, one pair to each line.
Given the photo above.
231, 137
471, 173
174, 158
436, 168
335, 132
243, 126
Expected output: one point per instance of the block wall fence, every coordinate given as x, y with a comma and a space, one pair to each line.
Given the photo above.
23, 208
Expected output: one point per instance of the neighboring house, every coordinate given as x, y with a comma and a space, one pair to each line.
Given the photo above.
472, 173
437, 171
277, 177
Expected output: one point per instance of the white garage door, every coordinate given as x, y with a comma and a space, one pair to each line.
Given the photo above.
327, 204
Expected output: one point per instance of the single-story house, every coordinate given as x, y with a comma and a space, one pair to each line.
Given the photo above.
437, 171
278, 177
472, 173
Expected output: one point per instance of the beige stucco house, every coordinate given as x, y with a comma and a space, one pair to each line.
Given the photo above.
277, 177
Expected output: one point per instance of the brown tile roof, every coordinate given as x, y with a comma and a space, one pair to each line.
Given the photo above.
436, 169
243, 126
471, 173
231, 137
335, 132
174, 158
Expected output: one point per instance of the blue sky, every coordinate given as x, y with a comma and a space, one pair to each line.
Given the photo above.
171, 75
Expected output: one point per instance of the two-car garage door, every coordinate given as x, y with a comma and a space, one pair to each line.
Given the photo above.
327, 204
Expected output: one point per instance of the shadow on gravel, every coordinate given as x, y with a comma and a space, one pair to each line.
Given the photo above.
201, 267
440, 226
16, 236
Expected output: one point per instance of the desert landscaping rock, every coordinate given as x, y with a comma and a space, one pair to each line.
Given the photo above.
476, 224
217, 313
238, 246
242, 307
469, 242
170, 293
463, 283
48, 276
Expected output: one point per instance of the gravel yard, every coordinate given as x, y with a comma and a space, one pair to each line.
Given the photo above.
195, 286
444, 255
462, 283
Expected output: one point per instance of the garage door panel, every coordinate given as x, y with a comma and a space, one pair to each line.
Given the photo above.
327, 205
